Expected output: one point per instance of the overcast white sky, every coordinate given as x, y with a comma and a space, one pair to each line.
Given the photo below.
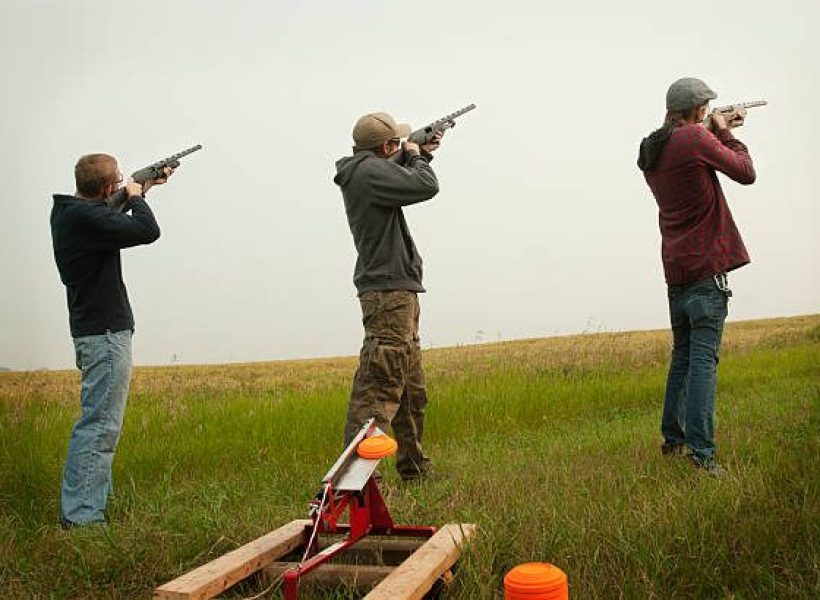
543, 225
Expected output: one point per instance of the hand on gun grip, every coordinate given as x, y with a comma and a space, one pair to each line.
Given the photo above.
411, 148
167, 171
737, 118
717, 122
132, 188
433, 145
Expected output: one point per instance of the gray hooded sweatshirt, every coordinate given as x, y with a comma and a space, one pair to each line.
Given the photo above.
375, 190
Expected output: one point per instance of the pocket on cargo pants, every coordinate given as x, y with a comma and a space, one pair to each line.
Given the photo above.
377, 386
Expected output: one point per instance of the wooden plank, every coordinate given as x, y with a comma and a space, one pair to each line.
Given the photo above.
362, 577
415, 576
218, 575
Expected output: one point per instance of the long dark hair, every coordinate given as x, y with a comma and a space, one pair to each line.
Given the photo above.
675, 118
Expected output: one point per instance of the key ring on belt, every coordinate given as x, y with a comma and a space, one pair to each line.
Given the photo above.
722, 283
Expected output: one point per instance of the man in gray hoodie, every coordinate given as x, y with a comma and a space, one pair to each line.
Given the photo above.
389, 383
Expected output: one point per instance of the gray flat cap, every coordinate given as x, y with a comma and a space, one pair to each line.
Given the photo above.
687, 93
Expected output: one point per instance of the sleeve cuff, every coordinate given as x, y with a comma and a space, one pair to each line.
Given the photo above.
724, 135
129, 203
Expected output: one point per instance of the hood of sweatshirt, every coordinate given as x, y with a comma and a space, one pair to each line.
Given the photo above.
346, 167
652, 146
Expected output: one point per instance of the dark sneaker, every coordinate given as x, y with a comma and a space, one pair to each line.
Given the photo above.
66, 524
708, 466
673, 449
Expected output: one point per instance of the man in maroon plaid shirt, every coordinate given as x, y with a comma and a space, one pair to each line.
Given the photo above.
700, 245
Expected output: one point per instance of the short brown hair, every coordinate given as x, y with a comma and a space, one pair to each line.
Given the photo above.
93, 172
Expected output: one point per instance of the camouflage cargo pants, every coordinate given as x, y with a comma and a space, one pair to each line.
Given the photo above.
389, 383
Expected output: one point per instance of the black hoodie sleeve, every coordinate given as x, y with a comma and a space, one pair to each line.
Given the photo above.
106, 229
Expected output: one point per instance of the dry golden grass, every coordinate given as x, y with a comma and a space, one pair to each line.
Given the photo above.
630, 349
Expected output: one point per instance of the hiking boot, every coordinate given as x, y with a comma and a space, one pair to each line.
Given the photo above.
673, 448
709, 466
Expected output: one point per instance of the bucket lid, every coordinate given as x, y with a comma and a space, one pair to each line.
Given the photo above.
377, 446
535, 577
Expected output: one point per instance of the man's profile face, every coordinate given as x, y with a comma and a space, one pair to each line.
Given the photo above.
116, 180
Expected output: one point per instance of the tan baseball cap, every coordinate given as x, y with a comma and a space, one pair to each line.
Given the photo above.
374, 129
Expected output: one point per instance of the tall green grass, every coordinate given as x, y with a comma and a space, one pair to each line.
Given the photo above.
550, 446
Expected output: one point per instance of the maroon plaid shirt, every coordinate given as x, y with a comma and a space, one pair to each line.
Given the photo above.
699, 236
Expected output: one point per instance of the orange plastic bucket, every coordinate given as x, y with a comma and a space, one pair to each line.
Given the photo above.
536, 581
377, 446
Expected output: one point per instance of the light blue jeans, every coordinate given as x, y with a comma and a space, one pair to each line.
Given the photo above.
697, 311
105, 362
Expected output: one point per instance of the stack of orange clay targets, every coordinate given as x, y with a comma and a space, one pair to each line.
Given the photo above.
536, 581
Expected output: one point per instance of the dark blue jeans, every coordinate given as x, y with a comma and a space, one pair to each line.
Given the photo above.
697, 312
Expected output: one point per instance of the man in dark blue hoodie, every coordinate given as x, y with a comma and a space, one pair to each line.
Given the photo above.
87, 236
389, 383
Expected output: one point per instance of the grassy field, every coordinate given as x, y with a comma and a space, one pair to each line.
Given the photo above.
551, 446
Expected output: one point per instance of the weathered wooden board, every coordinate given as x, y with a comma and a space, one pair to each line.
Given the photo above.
416, 575
218, 575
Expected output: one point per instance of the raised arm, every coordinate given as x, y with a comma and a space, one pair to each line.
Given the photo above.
725, 153
394, 185
107, 229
